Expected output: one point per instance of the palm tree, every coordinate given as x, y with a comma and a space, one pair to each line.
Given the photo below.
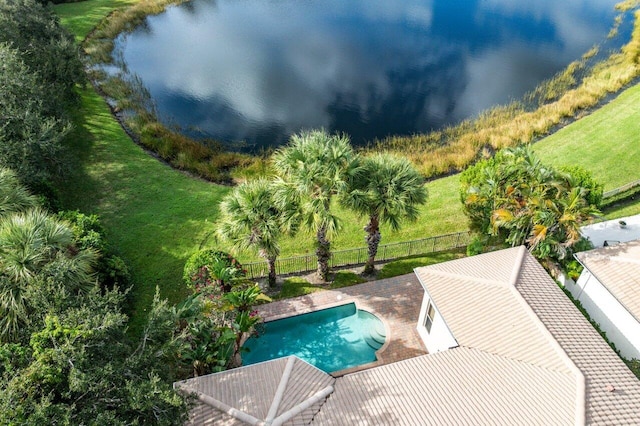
313, 168
35, 246
13, 196
251, 220
387, 189
539, 206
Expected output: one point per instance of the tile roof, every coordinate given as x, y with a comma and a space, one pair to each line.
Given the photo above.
598, 363
285, 391
618, 269
455, 387
486, 312
526, 355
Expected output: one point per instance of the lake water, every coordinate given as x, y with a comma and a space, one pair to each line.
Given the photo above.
259, 70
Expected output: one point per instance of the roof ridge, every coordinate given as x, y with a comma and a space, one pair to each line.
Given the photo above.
462, 276
514, 359
292, 363
220, 405
580, 380
517, 266
282, 386
625, 259
599, 254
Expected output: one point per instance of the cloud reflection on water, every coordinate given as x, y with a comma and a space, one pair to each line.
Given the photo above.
262, 69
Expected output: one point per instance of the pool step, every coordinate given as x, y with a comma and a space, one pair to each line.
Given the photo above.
375, 337
378, 333
374, 344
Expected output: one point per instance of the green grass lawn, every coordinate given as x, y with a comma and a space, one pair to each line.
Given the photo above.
154, 215
605, 142
81, 17
157, 216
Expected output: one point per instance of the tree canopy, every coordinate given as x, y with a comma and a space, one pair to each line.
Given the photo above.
519, 200
251, 219
65, 356
313, 168
387, 190
40, 68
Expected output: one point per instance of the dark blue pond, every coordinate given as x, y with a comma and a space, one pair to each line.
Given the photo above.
259, 70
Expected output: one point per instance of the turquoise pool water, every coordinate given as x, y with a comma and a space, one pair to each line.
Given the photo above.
331, 339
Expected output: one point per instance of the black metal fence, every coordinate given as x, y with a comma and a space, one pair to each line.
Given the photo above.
621, 189
358, 256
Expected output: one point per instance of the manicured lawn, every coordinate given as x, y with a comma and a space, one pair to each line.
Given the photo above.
157, 216
81, 17
297, 286
406, 266
605, 142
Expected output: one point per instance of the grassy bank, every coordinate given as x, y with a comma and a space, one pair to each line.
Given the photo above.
157, 216
604, 142
80, 18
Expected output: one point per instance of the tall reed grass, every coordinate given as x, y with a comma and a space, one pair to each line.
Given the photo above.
568, 95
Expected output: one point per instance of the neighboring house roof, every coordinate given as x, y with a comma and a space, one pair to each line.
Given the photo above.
611, 231
618, 269
526, 355
284, 391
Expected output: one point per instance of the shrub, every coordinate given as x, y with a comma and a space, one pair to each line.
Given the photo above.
89, 234
476, 246
634, 366
573, 269
583, 178
212, 270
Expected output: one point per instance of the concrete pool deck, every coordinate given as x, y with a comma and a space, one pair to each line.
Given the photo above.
396, 301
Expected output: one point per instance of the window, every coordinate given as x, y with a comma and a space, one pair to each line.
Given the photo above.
431, 313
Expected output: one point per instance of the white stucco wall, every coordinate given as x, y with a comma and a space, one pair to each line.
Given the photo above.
621, 327
440, 337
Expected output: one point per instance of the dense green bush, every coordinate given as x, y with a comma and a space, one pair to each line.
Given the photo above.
89, 234
47, 49
581, 177
476, 246
78, 366
213, 269
40, 69
30, 137
517, 200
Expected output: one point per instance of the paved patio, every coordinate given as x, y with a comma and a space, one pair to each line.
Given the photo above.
396, 301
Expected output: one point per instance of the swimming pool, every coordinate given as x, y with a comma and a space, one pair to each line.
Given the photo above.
331, 339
